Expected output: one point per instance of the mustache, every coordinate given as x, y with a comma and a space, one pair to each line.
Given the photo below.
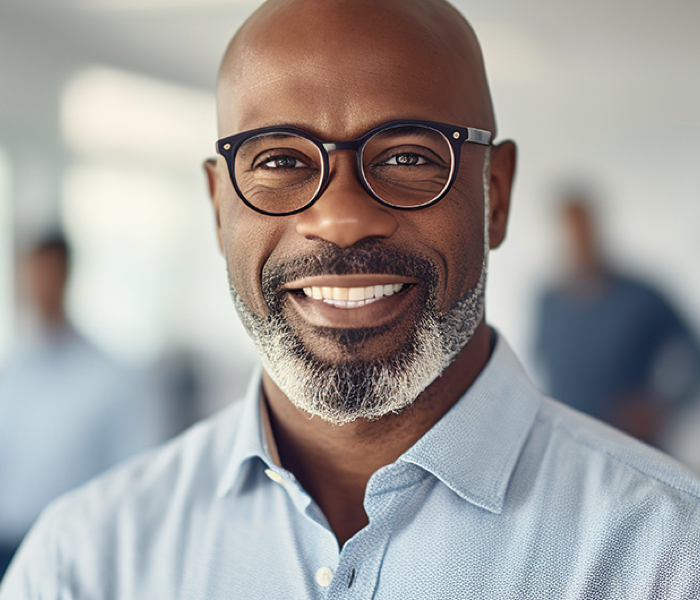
367, 256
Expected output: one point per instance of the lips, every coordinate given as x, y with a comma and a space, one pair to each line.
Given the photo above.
366, 286
367, 300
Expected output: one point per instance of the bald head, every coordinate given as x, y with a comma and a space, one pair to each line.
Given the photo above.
362, 49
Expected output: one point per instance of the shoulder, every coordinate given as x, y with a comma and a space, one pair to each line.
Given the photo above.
89, 529
613, 506
194, 458
568, 450
611, 460
636, 290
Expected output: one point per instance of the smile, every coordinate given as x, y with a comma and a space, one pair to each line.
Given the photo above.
352, 301
352, 297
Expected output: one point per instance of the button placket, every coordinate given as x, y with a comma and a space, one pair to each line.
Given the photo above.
361, 559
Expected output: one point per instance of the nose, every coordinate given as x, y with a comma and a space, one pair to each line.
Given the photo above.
345, 214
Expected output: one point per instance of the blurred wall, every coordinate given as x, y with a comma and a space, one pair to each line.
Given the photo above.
6, 256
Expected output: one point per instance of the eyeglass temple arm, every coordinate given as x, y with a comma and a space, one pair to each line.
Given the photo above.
478, 136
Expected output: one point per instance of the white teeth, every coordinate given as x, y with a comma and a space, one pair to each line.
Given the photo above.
355, 294
352, 297
340, 293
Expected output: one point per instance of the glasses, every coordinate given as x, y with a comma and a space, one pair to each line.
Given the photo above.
406, 165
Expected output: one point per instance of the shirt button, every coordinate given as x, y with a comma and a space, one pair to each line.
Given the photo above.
276, 477
324, 576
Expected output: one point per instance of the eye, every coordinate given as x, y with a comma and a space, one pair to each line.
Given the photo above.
406, 159
281, 161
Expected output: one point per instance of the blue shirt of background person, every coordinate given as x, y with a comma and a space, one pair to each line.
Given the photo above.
610, 345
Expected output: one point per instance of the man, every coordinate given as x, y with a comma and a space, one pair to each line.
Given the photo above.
611, 345
395, 448
67, 410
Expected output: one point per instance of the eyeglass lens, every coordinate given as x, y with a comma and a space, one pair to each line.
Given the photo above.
404, 166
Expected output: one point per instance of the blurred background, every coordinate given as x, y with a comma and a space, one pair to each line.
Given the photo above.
107, 111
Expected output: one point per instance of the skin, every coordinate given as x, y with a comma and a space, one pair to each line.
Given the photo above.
337, 68
47, 274
581, 234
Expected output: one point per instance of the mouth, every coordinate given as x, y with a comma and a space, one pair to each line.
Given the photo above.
352, 297
351, 300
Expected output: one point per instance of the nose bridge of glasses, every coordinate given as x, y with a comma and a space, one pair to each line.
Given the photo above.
351, 148
333, 146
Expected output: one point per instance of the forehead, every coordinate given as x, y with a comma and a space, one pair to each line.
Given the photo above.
342, 68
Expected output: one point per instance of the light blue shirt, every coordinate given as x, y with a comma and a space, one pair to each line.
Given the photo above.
509, 496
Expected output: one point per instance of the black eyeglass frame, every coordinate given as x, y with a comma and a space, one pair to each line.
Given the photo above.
455, 135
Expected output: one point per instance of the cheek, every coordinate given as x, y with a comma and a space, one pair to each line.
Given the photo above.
248, 239
461, 230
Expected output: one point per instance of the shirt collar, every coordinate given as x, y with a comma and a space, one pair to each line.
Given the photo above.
474, 448
253, 437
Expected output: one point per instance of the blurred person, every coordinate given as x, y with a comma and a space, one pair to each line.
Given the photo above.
391, 445
67, 410
611, 345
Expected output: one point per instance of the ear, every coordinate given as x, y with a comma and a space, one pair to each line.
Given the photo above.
215, 187
503, 159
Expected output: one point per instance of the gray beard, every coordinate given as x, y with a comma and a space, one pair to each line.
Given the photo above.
340, 392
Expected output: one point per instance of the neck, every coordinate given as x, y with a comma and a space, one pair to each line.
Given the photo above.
586, 261
334, 463
53, 316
